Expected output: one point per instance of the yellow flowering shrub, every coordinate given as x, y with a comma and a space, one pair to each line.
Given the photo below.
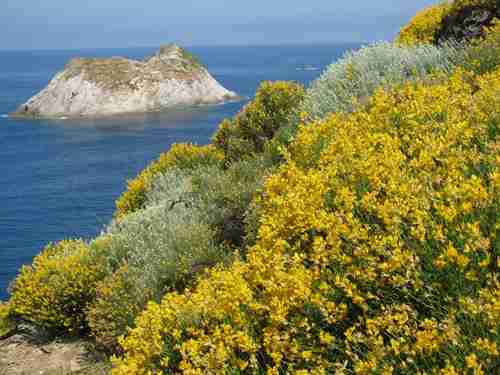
55, 290
378, 251
425, 25
249, 131
6, 324
180, 156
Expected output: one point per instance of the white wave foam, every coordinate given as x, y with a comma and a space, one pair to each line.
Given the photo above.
4, 116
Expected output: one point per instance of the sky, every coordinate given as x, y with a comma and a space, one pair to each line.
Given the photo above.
70, 24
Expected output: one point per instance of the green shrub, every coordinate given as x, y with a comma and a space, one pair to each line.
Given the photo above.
189, 217
225, 196
483, 55
248, 132
173, 188
354, 78
118, 302
56, 289
180, 156
164, 240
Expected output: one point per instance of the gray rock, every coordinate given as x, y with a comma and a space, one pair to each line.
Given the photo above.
467, 23
102, 87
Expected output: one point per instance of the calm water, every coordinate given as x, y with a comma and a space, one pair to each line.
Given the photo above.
59, 179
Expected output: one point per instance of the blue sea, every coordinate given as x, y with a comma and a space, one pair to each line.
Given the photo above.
60, 178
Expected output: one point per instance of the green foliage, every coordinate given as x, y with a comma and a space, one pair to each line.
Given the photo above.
247, 133
192, 59
353, 79
483, 55
180, 156
224, 197
117, 303
460, 4
165, 239
55, 290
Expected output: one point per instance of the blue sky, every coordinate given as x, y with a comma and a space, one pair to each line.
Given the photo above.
61, 24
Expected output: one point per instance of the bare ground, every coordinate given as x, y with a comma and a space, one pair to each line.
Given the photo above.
21, 355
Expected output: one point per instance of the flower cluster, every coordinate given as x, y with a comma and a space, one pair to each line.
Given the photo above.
6, 325
54, 292
377, 251
424, 25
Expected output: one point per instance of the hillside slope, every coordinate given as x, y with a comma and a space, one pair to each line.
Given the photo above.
350, 227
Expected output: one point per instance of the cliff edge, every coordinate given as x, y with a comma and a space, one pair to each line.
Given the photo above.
101, 87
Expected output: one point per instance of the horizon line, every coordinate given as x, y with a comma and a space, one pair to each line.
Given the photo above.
229, 45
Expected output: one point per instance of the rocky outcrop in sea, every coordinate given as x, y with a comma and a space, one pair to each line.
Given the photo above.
100, 87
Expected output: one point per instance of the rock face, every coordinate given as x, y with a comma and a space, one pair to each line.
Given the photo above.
101, 87
468, 23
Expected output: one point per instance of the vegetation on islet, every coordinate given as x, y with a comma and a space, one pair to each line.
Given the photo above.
119, 73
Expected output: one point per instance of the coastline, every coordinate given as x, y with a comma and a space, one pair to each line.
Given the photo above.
122, 115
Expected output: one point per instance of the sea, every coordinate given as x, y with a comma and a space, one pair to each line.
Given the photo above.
59, 179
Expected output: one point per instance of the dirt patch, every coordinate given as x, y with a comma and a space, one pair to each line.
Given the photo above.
20, 355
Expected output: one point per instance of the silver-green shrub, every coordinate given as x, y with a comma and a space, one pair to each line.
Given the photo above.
159, 248
170, 187
358, 74
162, 243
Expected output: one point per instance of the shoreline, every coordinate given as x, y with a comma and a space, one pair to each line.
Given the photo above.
21, 116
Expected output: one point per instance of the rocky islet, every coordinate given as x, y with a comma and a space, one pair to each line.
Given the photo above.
102, 87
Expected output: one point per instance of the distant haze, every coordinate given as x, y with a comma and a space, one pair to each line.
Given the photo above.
66, 24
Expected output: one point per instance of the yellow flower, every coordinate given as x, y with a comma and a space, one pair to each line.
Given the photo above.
377, 223
471, 361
